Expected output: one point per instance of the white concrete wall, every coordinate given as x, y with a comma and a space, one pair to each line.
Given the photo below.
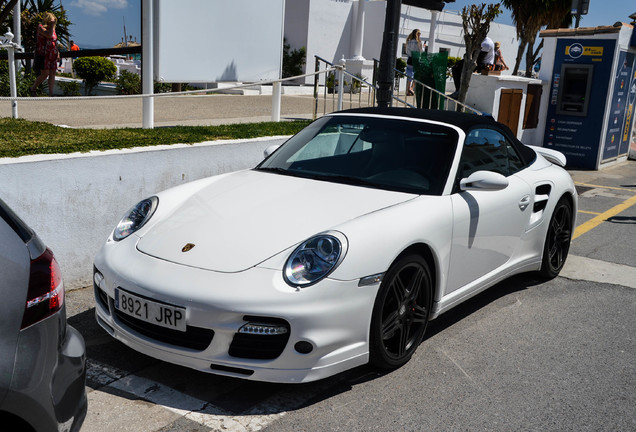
484, 94
296, 18
324, 28
74, 201
328, 30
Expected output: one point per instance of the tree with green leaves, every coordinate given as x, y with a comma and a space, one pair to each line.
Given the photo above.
476, 21
93, 70
529, 16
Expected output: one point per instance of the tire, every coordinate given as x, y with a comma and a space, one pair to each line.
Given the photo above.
400, 313
557, 240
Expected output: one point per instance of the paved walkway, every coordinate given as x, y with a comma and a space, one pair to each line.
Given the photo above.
189, 110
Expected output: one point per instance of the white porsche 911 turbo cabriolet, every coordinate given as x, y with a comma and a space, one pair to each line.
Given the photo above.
337, 249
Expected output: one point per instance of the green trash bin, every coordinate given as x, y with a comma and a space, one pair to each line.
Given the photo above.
430, 69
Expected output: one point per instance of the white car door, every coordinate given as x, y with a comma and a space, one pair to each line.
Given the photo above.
487, 224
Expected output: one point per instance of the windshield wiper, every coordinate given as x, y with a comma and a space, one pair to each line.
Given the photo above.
356, 181
275, 170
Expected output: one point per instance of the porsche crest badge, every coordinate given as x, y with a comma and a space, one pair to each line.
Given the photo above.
187, 247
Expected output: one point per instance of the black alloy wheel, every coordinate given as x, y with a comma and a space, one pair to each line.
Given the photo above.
401, 312
557, 241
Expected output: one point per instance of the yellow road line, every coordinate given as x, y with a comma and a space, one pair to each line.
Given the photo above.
596, 221
589, 212
605, 187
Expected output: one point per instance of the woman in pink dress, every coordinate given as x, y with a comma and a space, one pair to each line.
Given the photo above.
46, 54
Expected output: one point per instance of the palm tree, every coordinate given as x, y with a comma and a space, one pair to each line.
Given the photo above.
32, 14
529, 16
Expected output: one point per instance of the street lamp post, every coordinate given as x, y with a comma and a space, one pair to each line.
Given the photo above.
387, 53
390, 42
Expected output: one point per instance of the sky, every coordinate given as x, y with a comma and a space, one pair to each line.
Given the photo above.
600, 13
100, 23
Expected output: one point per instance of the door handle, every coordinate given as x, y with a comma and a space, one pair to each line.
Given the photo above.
524, 203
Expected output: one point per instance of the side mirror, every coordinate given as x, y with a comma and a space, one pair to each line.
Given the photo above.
483, 180
271, 149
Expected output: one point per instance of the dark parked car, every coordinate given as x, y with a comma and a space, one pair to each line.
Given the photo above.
42, 359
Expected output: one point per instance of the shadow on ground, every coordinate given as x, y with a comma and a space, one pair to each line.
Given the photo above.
233, 396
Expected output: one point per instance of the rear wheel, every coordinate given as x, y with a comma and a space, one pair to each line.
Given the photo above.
557, 241
401, 312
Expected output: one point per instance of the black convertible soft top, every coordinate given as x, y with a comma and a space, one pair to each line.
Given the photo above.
464, 121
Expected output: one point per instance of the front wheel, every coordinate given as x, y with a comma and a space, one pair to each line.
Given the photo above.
557, 241
401, 312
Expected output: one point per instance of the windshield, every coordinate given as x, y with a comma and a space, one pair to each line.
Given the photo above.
399, 155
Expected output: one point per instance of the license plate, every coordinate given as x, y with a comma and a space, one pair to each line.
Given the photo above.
152, 312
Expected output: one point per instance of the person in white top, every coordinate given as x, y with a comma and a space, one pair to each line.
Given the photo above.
413, 43
486, 58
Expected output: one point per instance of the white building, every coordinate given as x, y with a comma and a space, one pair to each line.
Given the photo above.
353, 29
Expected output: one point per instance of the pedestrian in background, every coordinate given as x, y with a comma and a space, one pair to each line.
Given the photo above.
486, 59
413, 43
500, 63
46, 53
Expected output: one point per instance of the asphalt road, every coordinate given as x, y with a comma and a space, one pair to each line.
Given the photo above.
524, 355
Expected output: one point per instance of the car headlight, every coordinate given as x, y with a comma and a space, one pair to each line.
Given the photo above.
314, 259
135, 218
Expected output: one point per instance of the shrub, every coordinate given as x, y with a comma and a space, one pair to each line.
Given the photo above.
400, 64
128, 83
93, 70
162, 87
23, 81
293, 60
69, 88
452, 61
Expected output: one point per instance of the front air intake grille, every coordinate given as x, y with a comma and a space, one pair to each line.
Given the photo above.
102, 297
195, 338
260, 346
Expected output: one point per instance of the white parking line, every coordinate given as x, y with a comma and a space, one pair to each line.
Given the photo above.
166, 404
588, 269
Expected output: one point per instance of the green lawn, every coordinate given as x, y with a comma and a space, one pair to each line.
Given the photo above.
21, 137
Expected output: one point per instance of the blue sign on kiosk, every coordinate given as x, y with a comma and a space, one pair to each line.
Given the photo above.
590, 106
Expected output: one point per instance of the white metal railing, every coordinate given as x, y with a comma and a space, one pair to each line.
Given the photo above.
337, 81
276, 93
329, 94
429, 96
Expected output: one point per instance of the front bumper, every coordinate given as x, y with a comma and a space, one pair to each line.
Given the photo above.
330, 319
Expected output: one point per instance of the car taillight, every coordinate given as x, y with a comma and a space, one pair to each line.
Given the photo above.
46, 289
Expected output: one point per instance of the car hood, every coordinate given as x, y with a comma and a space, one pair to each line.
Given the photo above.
244, 218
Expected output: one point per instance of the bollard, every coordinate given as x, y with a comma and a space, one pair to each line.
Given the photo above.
14, 90
10, 47
276, 92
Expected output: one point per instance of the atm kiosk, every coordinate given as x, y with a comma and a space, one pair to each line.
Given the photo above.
589, 108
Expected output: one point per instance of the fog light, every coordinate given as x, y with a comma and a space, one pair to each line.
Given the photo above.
303, 347
98, 278
263, 329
